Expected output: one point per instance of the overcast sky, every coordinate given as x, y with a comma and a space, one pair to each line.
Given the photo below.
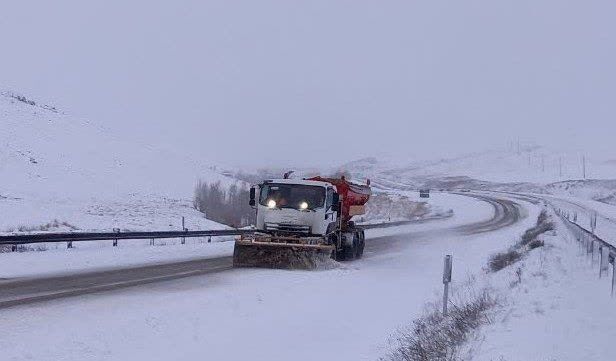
322, 82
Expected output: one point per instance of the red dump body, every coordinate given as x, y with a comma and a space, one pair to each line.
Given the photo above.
353, 195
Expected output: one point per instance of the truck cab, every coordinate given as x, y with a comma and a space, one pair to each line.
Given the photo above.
296, 207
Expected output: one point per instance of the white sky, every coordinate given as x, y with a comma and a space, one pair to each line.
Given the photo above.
322, 82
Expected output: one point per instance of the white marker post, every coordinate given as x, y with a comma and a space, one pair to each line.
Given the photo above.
446, 280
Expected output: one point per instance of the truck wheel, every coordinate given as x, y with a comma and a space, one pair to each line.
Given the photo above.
340, 254
350, 251
360, 245
337, 254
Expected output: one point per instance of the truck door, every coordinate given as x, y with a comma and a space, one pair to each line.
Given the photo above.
330, 214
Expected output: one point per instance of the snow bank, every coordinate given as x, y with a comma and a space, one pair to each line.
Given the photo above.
557, 307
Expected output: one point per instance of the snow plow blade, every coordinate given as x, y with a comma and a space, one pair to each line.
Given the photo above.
281, 253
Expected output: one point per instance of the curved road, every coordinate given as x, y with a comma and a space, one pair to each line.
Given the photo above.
24, 291
506, 213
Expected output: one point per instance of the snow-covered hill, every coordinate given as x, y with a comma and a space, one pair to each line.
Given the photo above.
530, 164
531, 170
56, 167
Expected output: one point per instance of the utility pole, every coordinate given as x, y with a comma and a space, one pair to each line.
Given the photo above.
560, 167
543, 163
518, 147
584, 166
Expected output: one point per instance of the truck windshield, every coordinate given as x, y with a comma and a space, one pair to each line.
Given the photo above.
292, 195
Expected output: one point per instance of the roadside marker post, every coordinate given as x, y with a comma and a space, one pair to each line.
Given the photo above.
446, 279
115, 241
183, 229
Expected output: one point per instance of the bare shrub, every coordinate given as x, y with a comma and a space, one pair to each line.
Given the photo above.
527, 242
503, 259
23, 248
435, 337
535, 244
31, 248
543, 225
43, 227
229, 207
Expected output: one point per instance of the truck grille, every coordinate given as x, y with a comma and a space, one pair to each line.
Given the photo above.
281, 227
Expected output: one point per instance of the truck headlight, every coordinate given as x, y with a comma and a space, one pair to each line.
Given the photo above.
303, 205
271, 203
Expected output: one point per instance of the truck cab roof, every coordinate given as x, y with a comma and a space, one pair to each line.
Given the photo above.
299, 182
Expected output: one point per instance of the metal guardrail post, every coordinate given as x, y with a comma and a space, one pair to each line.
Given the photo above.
613, 256
592, 252
612, 260
604, 264
607, 251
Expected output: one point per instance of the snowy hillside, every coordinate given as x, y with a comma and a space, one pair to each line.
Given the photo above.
56, 167
531, 164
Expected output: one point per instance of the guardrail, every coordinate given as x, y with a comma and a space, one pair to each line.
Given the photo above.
591, 243
22, 239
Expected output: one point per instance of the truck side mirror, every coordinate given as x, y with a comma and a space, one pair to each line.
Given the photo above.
253, 193
336, 203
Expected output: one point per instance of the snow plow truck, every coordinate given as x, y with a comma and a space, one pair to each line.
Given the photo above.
302, 223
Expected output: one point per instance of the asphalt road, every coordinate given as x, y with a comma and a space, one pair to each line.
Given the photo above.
28, 290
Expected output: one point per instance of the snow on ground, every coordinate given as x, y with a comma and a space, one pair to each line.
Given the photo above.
561, 310
56, 167
347, 313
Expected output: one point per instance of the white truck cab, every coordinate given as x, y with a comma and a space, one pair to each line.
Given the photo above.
295, 206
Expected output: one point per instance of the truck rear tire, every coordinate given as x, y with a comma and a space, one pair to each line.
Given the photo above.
361, 244
353, 251
350, 252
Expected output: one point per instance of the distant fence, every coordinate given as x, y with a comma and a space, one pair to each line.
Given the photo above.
591, 244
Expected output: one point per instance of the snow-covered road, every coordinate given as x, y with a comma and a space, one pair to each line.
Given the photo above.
19, 288
346, 313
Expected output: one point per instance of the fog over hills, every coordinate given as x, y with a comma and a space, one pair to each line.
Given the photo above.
276, 83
